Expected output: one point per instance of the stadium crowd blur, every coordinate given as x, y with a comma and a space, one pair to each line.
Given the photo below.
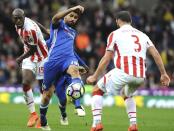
93, 28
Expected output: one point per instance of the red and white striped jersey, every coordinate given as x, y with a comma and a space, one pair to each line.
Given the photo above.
31, 34
129, 46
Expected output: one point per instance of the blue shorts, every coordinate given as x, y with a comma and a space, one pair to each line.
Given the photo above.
54, 70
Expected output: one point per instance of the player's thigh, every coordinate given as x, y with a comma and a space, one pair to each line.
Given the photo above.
132, 85
112, 82
28, 71
61, 88
72, 67
50, 75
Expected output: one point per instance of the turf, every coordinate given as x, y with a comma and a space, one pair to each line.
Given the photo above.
14, 117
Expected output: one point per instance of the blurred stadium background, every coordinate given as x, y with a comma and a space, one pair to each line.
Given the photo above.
154, 17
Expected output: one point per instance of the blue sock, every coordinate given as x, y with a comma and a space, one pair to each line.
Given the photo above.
43, 112
77, 103
62, 107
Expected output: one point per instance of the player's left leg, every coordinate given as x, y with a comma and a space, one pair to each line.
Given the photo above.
79, 109
97, 105
111, 83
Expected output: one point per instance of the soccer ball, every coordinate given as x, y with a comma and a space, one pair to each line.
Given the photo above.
75, 90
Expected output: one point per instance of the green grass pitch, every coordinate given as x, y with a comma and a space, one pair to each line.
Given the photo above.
14, 117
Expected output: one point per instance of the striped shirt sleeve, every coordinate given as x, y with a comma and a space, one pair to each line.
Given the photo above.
110, 42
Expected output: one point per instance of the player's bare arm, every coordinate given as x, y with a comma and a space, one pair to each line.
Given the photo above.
165, 80
32, 50
62, 14
102, 66
43, 29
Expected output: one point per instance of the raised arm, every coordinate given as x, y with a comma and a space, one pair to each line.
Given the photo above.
43, 29
165, 80
62, 14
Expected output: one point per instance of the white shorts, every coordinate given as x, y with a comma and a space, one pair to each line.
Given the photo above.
36, 67
116, 81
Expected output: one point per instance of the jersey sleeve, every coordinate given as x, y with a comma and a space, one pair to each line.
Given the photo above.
148, 42
110, 42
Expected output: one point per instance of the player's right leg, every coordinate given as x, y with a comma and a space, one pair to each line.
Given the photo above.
46, 96
28, 96
127, 94
48, 90
61, 94
27, 79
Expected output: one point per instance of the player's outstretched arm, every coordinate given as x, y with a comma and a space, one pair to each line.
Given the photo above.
101, 67
62, 14
165, 80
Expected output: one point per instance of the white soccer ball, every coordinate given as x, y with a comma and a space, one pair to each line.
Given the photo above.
75, 90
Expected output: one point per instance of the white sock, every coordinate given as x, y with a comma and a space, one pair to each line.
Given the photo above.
97, 104
29, 99
131, 110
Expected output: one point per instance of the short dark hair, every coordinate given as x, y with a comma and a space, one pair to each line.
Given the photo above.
124, 16
78, 13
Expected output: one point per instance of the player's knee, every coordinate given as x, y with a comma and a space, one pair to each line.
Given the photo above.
73, 71
26, 81
46, 98
97, 91
26, 87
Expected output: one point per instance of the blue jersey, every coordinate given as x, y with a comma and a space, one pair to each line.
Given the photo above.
62, 42
61, 54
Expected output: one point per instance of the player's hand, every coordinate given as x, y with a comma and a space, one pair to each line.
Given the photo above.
91, 79
78, 8
86, 68
165, 80
82, 70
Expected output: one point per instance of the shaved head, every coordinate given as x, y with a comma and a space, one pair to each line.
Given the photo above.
18, 17
18, 12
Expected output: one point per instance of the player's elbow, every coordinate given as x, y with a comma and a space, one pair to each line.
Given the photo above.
55, 19
33, 49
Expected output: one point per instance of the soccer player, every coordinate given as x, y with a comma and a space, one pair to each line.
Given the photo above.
64, 81
128, 46
61, 57
35, 51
